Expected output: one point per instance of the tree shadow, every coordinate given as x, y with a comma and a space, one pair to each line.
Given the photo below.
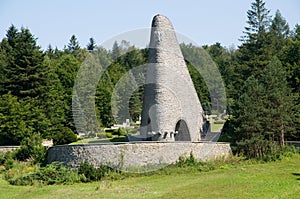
296, 174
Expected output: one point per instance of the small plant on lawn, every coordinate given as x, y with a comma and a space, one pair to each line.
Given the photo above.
55, 173
31, 149
6, 160
91, 173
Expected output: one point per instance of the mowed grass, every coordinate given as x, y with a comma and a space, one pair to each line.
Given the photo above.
271, 180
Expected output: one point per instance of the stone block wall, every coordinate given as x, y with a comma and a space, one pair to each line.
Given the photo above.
136, 154
8, 148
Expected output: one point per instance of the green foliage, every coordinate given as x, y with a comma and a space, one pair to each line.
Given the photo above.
65, 136
31, 148
9, 163
108, 135
258, 20
23, 69
73, 45
13, 116
91, 173
36, 87
190, 161
7, 160
280, 154
54, 173
264, 113
91, 45
256, 180
119, 132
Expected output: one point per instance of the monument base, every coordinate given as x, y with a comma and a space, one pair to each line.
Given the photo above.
136, 154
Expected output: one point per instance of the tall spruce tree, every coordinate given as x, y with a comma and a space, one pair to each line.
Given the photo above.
254, 54
258, 21
73, 45
24, 70
279, 32
265, 113
91, 45
280, 103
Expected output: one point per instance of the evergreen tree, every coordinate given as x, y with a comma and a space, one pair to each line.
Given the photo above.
53, 100
279, 31
67, 67
103, 100
279, 102
73, 45
291, 59
255, 52
265, 113
12, 35
91, 45
258, 21
116, 51
13, 127
24, 70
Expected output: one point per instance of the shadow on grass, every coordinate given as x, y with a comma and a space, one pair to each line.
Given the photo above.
296, 174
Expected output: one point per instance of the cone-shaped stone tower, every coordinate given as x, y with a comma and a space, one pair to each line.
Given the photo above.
171, 108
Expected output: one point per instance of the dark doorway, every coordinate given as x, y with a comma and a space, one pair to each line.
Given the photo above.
183, 131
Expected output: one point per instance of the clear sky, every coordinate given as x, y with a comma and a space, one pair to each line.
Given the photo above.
204, 21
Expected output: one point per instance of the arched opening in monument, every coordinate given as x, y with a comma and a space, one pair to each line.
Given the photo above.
182, 132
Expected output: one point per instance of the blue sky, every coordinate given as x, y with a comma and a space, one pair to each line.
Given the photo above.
205, 22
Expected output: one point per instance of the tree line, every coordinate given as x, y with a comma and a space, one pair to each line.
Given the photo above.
261, 78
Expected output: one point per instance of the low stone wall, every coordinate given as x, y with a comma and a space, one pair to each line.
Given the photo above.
135, 154
296, 144
8, 148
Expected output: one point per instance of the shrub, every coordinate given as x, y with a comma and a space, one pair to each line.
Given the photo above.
91, 173
66, 136
102, 135
55, 173
6, 161
187, 161
193, 164
31, 148
108, 135
119, 132
2, 158
122, 132
279, 154
115, 131
9, 163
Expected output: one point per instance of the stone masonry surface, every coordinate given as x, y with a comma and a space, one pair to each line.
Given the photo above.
171, 108
136, 154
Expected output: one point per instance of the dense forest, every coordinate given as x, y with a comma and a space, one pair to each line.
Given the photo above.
261, 77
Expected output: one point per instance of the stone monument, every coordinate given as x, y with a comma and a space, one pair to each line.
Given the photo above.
171, 108
171, 112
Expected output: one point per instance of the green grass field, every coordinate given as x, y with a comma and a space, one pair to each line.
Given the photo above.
271, 180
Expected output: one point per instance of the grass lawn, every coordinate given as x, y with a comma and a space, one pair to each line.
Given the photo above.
216, 127
98, 141
272, 180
